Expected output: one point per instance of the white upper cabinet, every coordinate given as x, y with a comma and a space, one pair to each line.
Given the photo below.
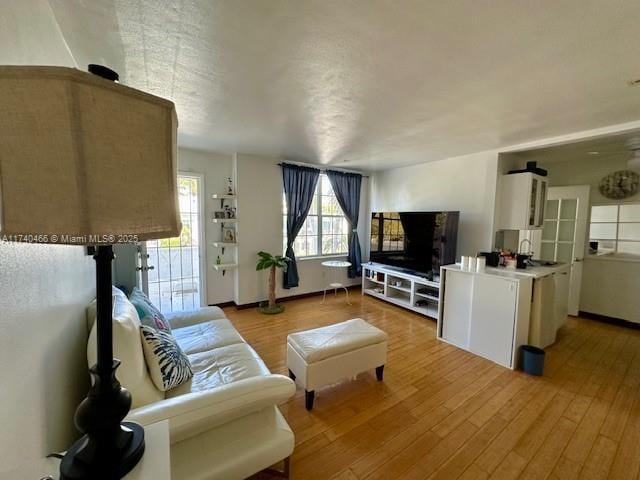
522, 201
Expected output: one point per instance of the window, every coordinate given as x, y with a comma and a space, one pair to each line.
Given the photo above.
325, 230
616, 228
387, 234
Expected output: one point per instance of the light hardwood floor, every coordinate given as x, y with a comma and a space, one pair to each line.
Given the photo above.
443, 413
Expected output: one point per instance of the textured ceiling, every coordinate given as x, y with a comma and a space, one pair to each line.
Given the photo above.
603, 148
375, 84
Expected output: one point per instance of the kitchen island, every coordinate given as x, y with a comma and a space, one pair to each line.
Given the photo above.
494, 312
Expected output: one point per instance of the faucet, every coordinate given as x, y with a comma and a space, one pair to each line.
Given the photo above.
520, 246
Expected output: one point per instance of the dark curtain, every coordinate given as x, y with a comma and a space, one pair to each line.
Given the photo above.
347, 189
299, 188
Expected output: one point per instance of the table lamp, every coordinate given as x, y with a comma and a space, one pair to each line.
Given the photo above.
85, 160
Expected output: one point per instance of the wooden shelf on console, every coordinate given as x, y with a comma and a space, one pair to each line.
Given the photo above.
404, 302
428, 297
402, 289
406, 295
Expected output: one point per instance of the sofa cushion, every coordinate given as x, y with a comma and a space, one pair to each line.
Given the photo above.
207, 336
168, 365
213, 368
127, 348
191, 317
324, 342
147, 312
91, 311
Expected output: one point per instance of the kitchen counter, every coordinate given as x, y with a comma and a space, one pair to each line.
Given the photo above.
515, 274
481, 299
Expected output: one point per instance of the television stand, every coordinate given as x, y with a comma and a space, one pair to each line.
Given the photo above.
406, 290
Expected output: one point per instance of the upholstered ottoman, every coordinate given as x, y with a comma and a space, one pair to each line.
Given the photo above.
323, 356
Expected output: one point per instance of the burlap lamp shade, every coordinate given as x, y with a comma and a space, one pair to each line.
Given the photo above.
84, 160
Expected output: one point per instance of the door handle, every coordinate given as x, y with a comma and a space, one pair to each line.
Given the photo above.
577, 260
145, 269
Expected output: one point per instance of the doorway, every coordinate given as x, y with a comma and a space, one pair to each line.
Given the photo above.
564, 234
170, 269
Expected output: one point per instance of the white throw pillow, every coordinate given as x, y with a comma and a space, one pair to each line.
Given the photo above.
168, 365
127, 348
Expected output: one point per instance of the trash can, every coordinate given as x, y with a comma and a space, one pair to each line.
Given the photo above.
532, 360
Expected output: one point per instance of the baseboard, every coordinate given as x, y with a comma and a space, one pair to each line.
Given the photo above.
223, 304
610, 320
244, 306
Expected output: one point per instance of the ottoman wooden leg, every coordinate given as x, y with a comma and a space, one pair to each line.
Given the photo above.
292, 375
284, 473
379, 372
308, 399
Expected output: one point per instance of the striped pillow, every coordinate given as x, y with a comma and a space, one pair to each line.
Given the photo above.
168, 365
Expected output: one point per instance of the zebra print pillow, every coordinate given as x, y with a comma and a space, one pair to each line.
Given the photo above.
168, 365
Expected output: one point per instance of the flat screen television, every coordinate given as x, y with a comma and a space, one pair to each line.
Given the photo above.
418, 242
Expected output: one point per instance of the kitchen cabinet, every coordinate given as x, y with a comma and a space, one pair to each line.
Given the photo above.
494, 313
522, 199
485, 313
457, 315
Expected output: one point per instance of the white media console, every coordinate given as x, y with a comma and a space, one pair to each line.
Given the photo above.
402, 289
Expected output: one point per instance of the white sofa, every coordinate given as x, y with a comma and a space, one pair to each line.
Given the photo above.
224, 423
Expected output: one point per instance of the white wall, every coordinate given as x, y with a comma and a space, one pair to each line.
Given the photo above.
610, 287
260, 227
258, 183
43, 294
214, 168
466, 184
43, 365
587, 171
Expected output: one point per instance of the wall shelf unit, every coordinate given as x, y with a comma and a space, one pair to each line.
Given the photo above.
403, 289
223, 245
222, 197
224, 220
227, 202
223, 267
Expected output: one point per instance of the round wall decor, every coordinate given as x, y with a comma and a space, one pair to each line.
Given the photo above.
620, 184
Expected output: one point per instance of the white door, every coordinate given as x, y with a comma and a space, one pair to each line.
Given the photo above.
564, 235
170, 269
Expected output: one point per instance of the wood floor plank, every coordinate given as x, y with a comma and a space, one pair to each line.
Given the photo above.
443, 413
395, 445
463, 458
432, 459
626, 463
545, 459
599, 462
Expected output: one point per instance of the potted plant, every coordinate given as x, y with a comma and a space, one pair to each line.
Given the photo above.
266, 260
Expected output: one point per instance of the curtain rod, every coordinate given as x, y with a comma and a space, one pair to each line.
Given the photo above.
322, 169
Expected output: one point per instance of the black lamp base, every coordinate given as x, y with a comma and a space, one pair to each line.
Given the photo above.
121, 462
110, 447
